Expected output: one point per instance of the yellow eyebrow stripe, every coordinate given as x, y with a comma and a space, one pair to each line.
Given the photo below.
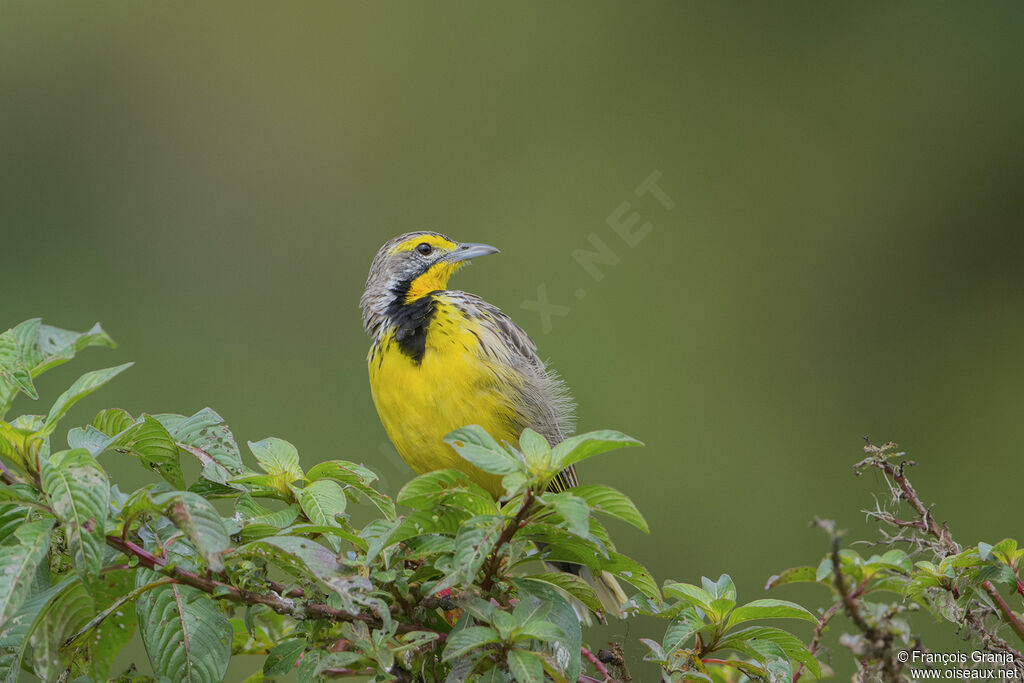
435, 241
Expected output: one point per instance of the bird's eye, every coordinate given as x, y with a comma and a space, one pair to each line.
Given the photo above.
424, 248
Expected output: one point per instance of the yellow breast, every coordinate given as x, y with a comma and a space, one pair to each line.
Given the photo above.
454, 384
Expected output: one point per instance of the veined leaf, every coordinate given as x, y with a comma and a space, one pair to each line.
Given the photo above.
446, 487
525, 666
633, 572
693, 595
342, 471
207, 437
354, 479
573, 509
277, 457
40, 347
474, 541
770, 609
301, 555
18, 563
583, 446
477, 447
12, 366
792, 575
82, 387
192, 514
322, 501
148, 440
282, 659
16, 629
565, 651
574, 586
789, 643
187, 638
70, 611
251, 512
469, 638
608, 501
79, 493
723, 588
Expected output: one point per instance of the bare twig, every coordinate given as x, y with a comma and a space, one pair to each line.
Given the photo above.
598, 664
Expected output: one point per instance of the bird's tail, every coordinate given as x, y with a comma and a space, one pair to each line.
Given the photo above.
610, 594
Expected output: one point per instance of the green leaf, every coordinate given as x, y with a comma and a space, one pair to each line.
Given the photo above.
608, 501
539, 629
277, 457
252, 512
682, 628
477, 447
18, 563
342, 471
145, 439
282, 659
322, 501
39, 347
474, 541
722, 588
792, 575
208, 438
573, 509
470, 638
78, 490
113, 421
566, 651
16, 630
633, 572
83, 386
790, 644
110, 636
354, 479
687, 592
574, 586
192, 514
583, 446
71, 610
770, 609
525, 666
1005, 550
300, 555
187, 638
447, 487
537, 453
12, 367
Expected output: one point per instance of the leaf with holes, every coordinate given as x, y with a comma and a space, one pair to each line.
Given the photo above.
152, 444
18, 562
207, 437
71, 610
192, 514
473, 543
186, 637
16, 629
79, 493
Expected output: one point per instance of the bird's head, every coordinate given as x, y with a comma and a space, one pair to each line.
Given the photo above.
408, 268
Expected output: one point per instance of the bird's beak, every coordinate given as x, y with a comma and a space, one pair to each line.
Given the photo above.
468, 250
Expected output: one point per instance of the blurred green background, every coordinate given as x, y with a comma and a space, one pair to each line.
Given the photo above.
210, 181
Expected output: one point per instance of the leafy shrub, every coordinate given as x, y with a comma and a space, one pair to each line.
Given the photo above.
456, 587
